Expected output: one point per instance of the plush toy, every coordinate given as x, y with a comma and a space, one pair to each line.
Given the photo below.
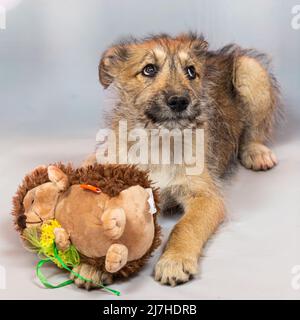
102, 215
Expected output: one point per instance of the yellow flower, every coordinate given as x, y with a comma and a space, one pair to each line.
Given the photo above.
47, 233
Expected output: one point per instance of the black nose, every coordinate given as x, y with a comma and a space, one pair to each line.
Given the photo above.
178, 103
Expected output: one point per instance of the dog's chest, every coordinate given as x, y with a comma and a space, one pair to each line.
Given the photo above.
164, 176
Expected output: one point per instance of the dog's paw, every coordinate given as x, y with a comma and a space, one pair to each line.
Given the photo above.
90, 272
175, 269
116, 257
257, 157
114, 221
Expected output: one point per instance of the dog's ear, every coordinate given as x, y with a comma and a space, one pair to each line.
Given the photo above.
199, 46
196, 42
111, 63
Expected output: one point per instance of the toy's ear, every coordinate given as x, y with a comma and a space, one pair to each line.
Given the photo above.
111, 63
59, 178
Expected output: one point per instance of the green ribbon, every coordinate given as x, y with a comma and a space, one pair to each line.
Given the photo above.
45, 282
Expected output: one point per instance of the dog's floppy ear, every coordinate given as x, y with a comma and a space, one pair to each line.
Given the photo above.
111, 62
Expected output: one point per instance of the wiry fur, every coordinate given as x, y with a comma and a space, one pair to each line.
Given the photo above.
234, 98
216, 97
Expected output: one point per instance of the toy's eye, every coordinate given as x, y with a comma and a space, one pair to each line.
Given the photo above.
191, 72
150, 70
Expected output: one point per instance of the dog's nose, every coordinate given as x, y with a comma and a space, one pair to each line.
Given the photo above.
178, 103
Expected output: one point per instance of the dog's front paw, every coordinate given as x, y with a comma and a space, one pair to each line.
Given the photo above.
90, 272
175, 269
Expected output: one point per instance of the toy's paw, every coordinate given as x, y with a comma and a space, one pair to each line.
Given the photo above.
114, 221
62, 239
116, 257
257, 157
90, 272
175, 269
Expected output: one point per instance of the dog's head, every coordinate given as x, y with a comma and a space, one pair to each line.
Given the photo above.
160, 78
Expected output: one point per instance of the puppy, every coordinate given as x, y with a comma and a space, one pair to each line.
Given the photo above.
177, 83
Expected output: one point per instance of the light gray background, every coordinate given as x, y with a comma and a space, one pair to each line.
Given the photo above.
50, 109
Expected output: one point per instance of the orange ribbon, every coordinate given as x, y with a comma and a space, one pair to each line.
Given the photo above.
90, 187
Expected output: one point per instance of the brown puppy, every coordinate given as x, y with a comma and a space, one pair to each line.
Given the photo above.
175, 82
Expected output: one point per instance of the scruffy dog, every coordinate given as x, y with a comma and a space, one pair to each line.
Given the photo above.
176, 82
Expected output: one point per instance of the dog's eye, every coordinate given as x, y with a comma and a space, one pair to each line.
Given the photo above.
191, 72
150, 70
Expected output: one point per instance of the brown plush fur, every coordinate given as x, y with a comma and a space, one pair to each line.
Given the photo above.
111, 179
234, 98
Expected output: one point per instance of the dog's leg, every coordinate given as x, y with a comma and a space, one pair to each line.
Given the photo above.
204, 212
259, 95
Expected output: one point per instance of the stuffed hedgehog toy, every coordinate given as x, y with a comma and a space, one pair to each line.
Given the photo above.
100, 220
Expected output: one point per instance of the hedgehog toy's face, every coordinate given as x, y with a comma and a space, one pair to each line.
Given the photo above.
39, 204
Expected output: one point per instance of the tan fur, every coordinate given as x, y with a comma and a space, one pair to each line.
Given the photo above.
253, 83
234, 97
257, 156
204, 212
